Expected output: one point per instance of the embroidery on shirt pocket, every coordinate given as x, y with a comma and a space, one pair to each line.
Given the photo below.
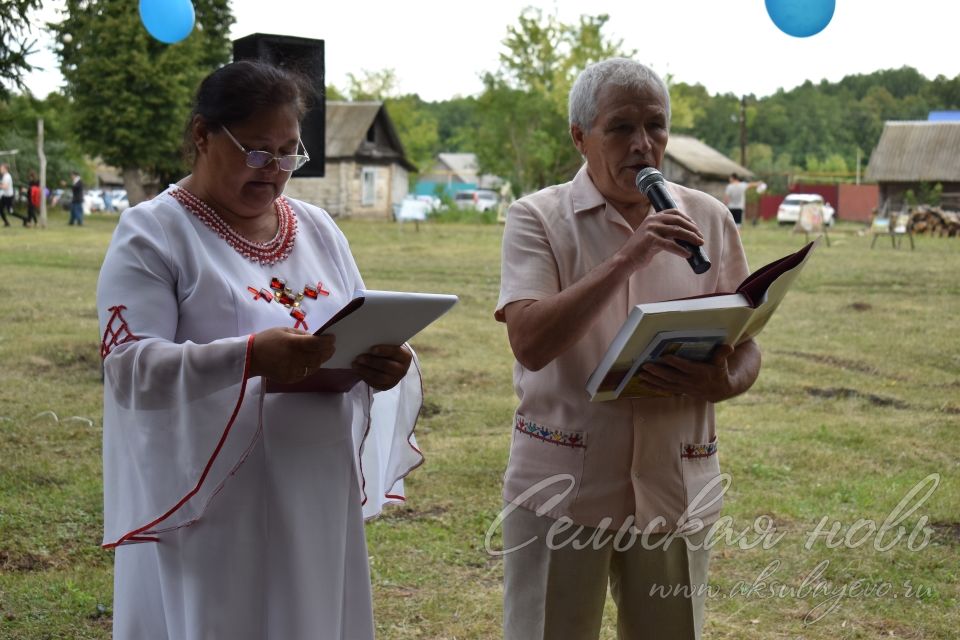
700, 467
575, 439
546, 465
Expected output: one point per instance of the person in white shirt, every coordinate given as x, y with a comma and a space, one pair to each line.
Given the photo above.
735, 197
6, 193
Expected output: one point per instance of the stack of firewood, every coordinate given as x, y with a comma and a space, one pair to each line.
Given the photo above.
935, 221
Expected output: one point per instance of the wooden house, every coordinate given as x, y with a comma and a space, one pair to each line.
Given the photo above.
916, 156
366, 170
693, 164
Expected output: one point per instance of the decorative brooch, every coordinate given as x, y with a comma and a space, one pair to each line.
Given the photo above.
284, 295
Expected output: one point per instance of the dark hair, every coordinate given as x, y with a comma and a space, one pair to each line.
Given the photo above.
735, 177
235, 92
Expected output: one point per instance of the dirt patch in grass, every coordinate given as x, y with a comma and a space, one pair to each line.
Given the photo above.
431, 409
946, 532
423, 348
476, 379
411, 513
860, 306
23, 561
891, 629
845, 392
842, 363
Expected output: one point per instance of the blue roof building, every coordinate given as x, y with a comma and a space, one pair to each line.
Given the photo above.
944, 116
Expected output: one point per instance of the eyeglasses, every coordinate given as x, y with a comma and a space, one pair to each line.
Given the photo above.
260, 159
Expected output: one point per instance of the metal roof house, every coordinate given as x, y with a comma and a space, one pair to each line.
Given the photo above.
452, 172
366, 169
914, 155
693, 164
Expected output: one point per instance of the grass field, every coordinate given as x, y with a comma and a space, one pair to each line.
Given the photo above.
858, 402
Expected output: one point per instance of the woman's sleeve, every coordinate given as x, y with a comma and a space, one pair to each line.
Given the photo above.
175, 424
384, 423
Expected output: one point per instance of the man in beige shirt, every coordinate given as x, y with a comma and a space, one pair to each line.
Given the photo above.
584, 478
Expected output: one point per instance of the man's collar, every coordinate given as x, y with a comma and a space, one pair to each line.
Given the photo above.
585, 195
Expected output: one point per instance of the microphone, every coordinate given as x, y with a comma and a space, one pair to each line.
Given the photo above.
650, 183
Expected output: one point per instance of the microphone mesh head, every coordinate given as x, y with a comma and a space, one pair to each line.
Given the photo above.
647, 177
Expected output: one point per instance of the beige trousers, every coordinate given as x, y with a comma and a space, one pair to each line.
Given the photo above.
557, 591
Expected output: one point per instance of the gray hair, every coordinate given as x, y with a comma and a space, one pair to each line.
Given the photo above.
620, 72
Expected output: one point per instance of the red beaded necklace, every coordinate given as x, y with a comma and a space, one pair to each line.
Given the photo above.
264, 253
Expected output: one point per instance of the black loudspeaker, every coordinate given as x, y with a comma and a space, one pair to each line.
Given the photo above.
304, 55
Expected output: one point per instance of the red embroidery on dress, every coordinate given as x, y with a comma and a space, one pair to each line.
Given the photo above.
115, 335
289, 298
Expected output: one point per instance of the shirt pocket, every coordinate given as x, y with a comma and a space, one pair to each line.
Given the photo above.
546, 465
702, 487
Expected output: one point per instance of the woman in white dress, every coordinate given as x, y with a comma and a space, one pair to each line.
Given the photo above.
238, 513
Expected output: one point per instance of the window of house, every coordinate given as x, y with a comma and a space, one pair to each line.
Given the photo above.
368, 192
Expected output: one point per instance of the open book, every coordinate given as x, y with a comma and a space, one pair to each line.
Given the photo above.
692, 327
369, 319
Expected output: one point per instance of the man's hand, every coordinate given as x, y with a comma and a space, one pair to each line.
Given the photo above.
288, 355
660, 232
729, 373
383, 366
540, 330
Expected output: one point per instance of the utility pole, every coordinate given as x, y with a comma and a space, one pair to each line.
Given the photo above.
43, 174
743, 131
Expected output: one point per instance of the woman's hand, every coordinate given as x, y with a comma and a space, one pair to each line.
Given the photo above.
289, 355
383, 366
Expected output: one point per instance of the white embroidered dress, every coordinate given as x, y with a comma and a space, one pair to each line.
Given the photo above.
236, 514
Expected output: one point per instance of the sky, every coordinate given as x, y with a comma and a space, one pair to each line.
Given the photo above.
441, 49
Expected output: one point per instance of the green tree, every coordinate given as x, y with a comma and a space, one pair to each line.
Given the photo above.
18, 130
814, 123
416, 127
130, 93
687, 104
372, 85
415, 124
943, 93
522, 130
457, 123
16, 43
332, 93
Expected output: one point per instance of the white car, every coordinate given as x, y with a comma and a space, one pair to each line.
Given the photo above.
93, 201
476, 199
789, 211
119, 201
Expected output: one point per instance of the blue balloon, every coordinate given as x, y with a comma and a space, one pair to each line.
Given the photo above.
801, 18
168, 21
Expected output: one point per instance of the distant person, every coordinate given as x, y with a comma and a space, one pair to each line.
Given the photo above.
735, 197
6, 193
33, 200
76, 199
108, 200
